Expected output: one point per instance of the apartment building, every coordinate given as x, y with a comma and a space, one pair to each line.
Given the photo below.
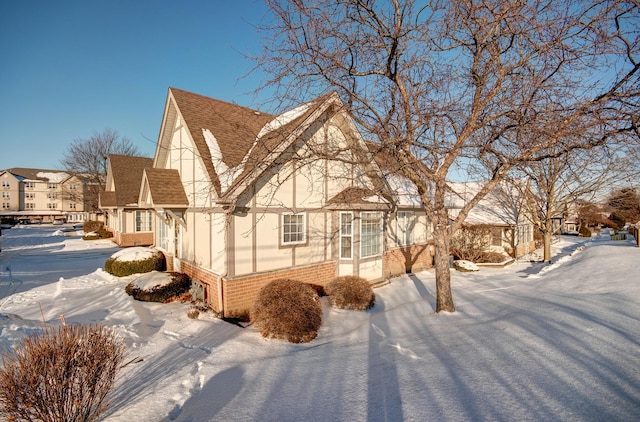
42, 196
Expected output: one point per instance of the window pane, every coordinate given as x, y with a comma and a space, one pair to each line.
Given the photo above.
371, 234
346, 230
293, 230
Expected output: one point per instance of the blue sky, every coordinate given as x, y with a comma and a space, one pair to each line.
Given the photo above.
72, 68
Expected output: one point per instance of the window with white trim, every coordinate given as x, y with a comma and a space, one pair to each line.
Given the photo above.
6, 184
72, 205
143, 221
52, 205
29, 195
6, 195
406, 222
29, 206
30, 185
162, 233
293, 229
346, 235
370, 234
6, 205
52, 185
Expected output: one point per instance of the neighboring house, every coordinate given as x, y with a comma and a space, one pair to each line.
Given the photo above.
42, 196
502, 210
242, 197
130, 224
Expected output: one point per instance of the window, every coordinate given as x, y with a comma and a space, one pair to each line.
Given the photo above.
72, 186
52, 205
51, 185
30, 206
293, 229
6, 184
6, 195
346, 235
5, 205
143, 221
162, 234
72, 205
29, 195
405, 225
370, 234
30, 185
51, 195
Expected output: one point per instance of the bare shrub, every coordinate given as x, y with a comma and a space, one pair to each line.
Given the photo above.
350, 292
61, 374
492, 257
178, 286
287, 309
470, 242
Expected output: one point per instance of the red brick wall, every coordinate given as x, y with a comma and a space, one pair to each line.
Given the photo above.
209, 279
413, 258
525, 248
241, 292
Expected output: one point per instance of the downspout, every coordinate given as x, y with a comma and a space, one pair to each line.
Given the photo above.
228, 215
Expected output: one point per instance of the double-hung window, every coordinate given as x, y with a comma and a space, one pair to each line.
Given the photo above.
293, 229
143, 221
346, 235
370, 234
404, 228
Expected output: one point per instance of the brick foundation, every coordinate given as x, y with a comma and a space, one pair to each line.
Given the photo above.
408, 259
133, 239
241, 292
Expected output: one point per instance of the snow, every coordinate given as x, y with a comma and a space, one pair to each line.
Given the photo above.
527, 342
136, 253
226, 174
284, 119
151, 280
54, 177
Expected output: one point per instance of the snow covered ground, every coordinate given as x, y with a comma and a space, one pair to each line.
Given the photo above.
528, 342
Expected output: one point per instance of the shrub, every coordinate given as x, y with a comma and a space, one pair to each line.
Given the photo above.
287, 309
350, 292
470, 241
61, 374
491, 257
122, 268
92, 226
179, 284
584, 232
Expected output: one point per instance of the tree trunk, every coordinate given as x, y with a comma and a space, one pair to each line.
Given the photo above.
547, 246
444, 298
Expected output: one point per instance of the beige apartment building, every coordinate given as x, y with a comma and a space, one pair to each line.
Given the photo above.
42, 196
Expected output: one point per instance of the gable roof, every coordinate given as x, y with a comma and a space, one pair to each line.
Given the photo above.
126, 172
232, 140
500, 207
165, 188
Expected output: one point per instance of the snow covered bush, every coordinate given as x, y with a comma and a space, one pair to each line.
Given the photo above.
350, 292
287, 309
465, 266
159, 287
135, 260
61, 374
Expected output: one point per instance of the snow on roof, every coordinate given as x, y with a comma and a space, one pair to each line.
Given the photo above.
226, 175
54, 177
284, 119
406, 192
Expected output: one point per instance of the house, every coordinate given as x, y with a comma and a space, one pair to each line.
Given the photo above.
502, 210
240, 197
130, 224
42, 196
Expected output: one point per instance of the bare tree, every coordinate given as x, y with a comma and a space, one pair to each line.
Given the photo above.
441, 85
560, 182
87, 158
